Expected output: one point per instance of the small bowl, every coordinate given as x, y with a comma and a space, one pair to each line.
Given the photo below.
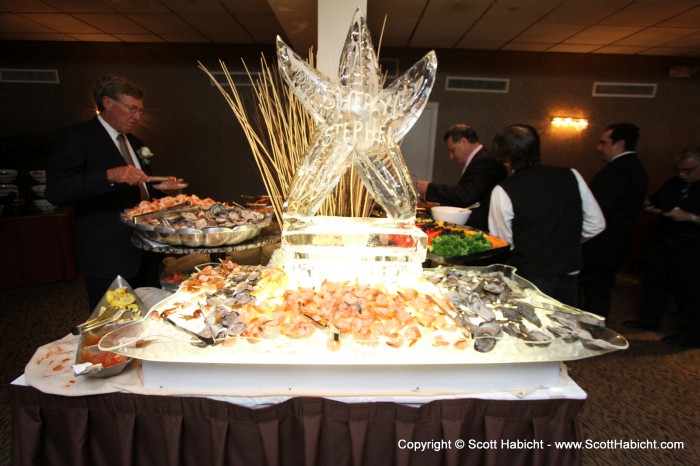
44, 205
456, 215
8, 175
39, 190
38, 175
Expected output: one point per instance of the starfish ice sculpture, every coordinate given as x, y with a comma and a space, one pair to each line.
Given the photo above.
358, 123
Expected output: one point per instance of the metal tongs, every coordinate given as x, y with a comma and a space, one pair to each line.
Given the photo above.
109, 316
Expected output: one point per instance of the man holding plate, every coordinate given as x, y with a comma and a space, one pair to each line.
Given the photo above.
101, 169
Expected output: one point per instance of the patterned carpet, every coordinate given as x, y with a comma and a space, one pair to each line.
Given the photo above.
646, 393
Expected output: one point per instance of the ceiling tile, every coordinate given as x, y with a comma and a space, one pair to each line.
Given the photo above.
79, 6
496, 30
690, 18
95, 37
439, 33
480, 44
61, 22
163, 24
136, 6
648, 13
692, 41
601, 35
393, 9
519, 10
461, 10
184, 38
219, 28
247, 7
18, 23
655, 36
263, 28
196, 6
112, 23
397, 31
671, 52
37, 36
572, 48
26, 6
620, 50
549, 32
584, 11
138, 38
526, 46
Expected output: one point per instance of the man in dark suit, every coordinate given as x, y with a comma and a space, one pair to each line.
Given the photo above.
87, 169
480, 173
620, 188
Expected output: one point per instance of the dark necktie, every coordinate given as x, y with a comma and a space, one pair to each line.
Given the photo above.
685, 191
124, 149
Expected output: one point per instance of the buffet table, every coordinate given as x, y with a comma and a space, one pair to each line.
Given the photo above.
85, 421
40, 247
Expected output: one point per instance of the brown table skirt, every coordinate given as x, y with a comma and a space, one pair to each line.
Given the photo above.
126, 429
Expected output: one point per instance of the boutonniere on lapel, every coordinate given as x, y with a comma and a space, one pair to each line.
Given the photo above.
145, 154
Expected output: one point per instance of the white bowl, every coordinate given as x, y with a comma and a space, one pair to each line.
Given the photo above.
38, 175
457, 215
8, 175
39, 189
44, 205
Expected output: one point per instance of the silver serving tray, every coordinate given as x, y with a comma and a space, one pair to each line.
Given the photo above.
205, 237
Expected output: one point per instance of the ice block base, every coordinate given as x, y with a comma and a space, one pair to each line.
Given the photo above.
364, 250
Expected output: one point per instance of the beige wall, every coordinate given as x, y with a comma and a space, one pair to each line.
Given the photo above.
194, 134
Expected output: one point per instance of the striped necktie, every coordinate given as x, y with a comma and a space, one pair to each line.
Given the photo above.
124, 149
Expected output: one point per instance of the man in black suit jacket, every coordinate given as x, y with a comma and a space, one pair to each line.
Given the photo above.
87, 169
480, 173
620, 188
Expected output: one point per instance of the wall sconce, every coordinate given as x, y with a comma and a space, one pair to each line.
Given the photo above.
570, 123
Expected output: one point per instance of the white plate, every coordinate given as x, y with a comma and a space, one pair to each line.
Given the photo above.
170, 186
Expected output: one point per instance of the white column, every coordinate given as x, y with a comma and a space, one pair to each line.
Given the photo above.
334, 17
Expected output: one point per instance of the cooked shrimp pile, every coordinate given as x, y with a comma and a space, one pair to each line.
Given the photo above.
365, 313
237, 302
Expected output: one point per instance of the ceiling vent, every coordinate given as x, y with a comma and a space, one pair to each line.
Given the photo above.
634, 90
239, 78
460, 83
29, 76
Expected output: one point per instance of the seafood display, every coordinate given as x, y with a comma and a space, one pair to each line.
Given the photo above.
210, 224
495, 301
455, 315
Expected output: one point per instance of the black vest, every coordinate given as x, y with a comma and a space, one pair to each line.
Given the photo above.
547, 222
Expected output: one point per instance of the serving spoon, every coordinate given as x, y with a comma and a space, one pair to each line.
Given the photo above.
473, 206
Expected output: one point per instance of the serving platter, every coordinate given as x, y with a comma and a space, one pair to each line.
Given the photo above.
164, 340
154, 226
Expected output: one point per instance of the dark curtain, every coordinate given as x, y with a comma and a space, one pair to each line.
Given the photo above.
126, 429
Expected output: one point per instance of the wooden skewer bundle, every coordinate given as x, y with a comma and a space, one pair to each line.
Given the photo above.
279, 135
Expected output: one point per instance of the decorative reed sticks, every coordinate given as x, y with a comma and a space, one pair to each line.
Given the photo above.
279, 134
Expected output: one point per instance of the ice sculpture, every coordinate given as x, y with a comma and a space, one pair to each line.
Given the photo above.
360, 123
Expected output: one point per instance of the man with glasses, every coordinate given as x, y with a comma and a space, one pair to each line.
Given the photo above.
620, 188
94, 166
672, 262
